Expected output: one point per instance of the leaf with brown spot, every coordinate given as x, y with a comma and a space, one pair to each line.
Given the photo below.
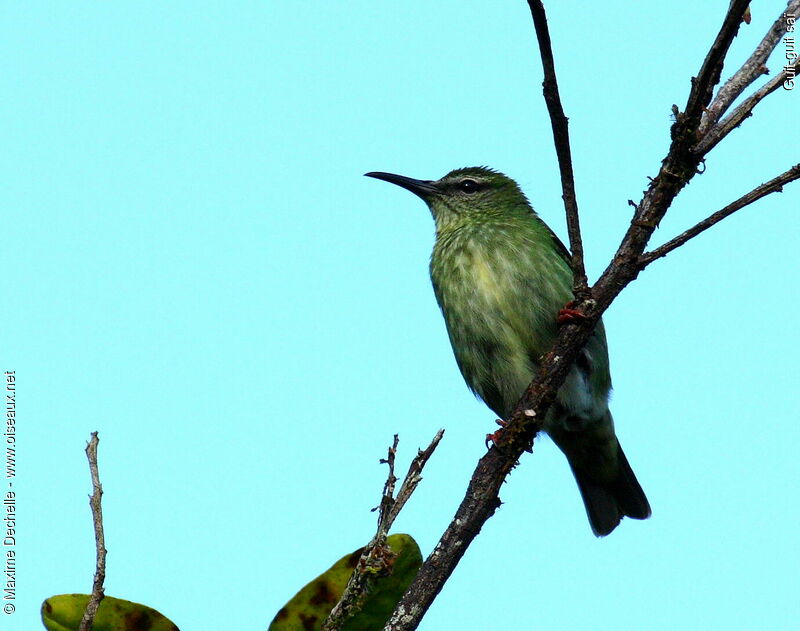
323, 594
282, 614
307, 610
64, 613
309, 622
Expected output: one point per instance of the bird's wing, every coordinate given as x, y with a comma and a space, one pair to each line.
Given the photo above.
560, 247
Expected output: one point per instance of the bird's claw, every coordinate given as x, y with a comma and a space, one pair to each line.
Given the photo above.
569, 314
495, 436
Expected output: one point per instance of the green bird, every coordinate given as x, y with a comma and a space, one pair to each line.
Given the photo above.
501, 277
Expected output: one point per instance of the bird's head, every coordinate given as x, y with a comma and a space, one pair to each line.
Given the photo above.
468, 194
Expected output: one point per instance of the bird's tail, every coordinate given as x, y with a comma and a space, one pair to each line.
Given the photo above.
609, 498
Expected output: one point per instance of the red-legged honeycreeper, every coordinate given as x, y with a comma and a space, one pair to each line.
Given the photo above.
501, 276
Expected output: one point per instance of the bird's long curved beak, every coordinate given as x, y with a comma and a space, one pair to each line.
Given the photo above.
421, 188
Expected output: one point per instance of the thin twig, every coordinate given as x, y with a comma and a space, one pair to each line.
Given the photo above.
387, 497
678, 167
754, 67
98, 592
376, 557
775, 185
412, 479
743, 111
711, 70
560, 125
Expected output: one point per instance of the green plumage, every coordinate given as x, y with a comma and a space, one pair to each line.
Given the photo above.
501, 276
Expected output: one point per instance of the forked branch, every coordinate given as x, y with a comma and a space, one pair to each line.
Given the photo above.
376, 556
745, 110
752, 69
678, 167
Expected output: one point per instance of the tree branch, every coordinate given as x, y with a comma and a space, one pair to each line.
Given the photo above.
775, 185
376, 557
754, 67
560, 125
482, 496
413, 478
100, 543
744, 111
678, 167
709, 75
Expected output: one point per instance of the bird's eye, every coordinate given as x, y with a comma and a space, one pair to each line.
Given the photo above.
468, 186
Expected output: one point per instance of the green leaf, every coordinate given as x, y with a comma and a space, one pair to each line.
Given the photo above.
64, 613
307, 610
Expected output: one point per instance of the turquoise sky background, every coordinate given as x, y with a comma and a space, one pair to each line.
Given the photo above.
194, 265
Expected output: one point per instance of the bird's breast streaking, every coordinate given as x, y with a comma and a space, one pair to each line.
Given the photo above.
497, 308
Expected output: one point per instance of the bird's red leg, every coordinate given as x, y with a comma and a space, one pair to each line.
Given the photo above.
569, 314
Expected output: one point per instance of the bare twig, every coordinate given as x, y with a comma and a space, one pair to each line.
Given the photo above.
775, 185
387, 497
482, 496
560, 125
97, 518
754, 67
412, 479
678, 167
709, 75
376, 556
743, 111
